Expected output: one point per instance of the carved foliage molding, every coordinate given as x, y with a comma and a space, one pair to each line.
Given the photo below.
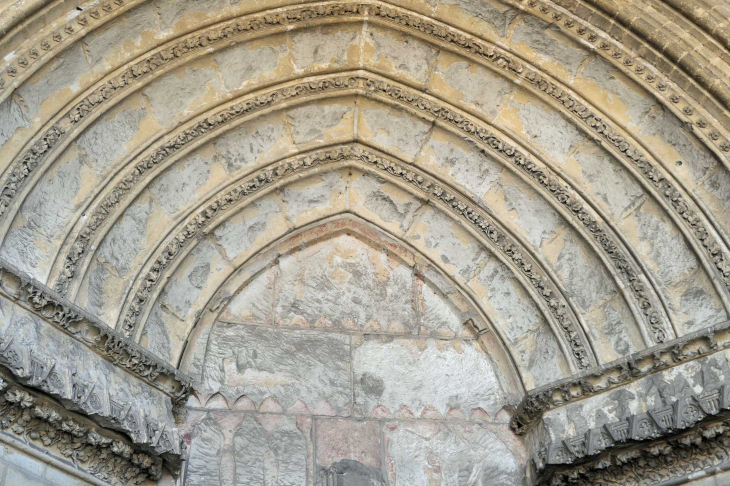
34, 420
40, 371
612, 375
434, 30
629, 62
662, 422
93, 333
427, 186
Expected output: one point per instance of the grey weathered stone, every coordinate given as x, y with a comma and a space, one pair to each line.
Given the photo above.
479, 86
241, 63
126, 240
638, 104
240, 232
394, 128
612, 183
166, 94
345, 283
663, 124
536, 33
205, 453
322, 46
61, 74
594, 285
177, 186
11, 119
412, 374
547, 129
499, 15
287, 365
450, 454
241, 148
103, 45
386, 200
408, 56
474, 171
269, 451
309, 123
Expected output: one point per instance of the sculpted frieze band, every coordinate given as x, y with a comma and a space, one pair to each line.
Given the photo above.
92, 333
43, 372
492, 55
682, 414
703, 450
32, 419
613, 375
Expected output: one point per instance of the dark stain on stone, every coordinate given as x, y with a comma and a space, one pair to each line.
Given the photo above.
372, 385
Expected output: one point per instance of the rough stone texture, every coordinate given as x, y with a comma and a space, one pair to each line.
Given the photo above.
497, 14
345, 283
11, 119
59, 75
391, 354
255, 63
461, 162
388, 127
285, 365
433, 453
18, 468
400, 54
165, 96
548, 130
407, 376
324, 46
338, 439
473, 85
546, 40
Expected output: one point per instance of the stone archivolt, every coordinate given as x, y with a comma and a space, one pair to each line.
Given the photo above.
583, 276
588, 117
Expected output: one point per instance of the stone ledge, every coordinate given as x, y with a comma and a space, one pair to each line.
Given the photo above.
686, 455
92, 332
617, 373
666, 421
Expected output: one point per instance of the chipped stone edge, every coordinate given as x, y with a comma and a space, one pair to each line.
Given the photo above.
90, 331
618, 373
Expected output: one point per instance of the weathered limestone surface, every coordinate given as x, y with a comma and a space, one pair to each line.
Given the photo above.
368, 231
